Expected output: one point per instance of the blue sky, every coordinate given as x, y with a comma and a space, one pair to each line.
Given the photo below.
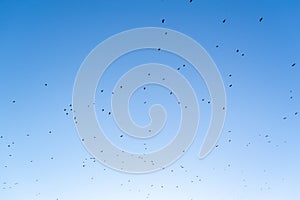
45, 42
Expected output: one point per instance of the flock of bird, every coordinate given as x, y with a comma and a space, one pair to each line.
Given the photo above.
68, 111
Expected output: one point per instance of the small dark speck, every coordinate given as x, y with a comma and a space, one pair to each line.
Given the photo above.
217, 46
284, 118
296, 113
237, 50
14, 101
230, 85
260, 20
243, 54
46, 84
224, 20
121, 136
163, 21
293, 65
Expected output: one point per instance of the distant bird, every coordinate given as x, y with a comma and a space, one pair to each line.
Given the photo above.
293, 65
260, 20
224, 20
191, 1
237, 50
217, 46
163, 21
46, 84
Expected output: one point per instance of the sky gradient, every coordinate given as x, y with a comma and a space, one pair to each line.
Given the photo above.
42, 45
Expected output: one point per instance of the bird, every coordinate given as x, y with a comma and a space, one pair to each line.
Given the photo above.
224, 20
260, 20
293, 65
163, 21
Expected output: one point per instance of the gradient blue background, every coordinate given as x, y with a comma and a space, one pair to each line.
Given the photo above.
46, 41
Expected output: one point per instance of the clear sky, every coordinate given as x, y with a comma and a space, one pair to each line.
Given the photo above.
42, 45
